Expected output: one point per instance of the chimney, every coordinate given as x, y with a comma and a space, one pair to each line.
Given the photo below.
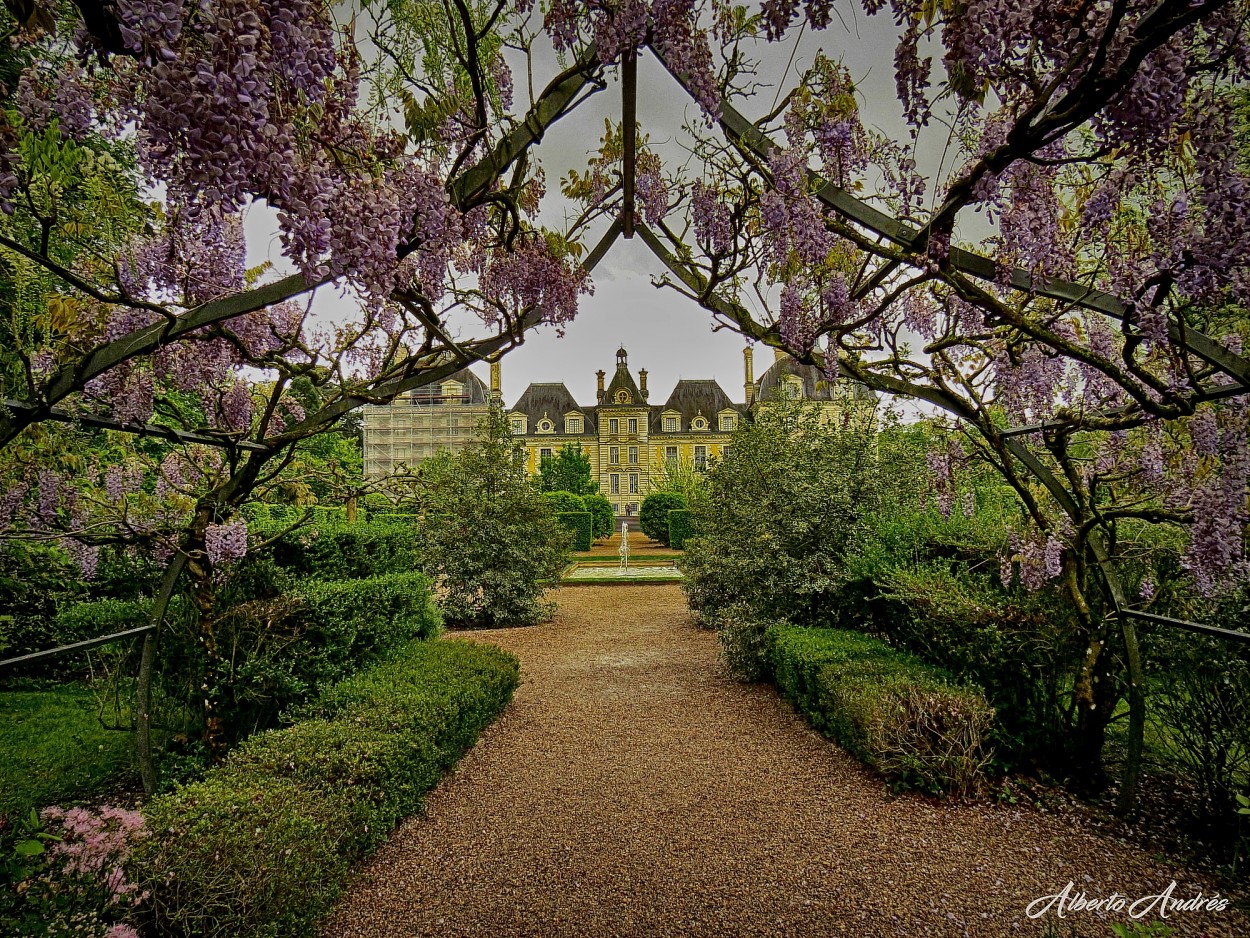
748, 370
601, 375
496, 389
642, 382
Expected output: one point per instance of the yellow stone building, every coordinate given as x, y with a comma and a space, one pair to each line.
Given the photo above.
623, 433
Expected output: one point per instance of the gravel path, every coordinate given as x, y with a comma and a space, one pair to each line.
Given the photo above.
633, 789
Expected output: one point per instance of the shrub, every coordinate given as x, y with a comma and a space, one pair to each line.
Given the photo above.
581, 523
327, 515
393, 519
285, 649
777, 523
487, 537
602, 515
744, 642
82, 621
255, 511
564, 501
653, 519
337, 551
35, 581
680, 527
904, 718
1200, 697
263, 845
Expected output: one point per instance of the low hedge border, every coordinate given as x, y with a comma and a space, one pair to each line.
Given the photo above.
264, 844
910, 721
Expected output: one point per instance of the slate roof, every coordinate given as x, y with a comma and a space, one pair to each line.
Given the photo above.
475, 391
692, 397
552, 401
815, 386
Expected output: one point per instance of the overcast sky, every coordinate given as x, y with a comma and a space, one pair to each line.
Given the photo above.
663, 332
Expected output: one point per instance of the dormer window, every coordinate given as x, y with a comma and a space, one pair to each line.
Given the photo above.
546, 426
792, 387
726, 422
518, 425
573, 425
452, 389
670, 424
699, 423
623, 397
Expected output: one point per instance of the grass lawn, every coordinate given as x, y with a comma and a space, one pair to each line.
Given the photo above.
55, 748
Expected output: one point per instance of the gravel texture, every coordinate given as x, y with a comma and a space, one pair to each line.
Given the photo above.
634, 789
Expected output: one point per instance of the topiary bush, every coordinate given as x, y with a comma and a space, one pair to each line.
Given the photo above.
581, 523
906, 719
264, 844
603, 517
564, 502
680, 527
337, 551
653, 519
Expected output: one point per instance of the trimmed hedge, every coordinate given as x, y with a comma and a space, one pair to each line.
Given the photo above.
82, 621
680, 527
264, 844
908, 720
394, 518
602, 514
581, 523
288, 648
327, 515
562, 502
341, 551
653, 518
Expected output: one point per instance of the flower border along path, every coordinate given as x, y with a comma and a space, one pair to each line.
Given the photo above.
634, 789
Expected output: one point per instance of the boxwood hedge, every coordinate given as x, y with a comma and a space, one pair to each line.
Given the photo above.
908, 720
264, 844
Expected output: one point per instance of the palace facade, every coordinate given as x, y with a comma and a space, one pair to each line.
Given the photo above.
624, 434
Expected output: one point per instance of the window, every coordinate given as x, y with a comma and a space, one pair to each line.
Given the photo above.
545, 426
633, 455
727, 422
633, 425
545, 453
670, 455
700, 457
793, 387
614, 426
518, 425
724, 452
616, 484
633, 483
614, 455
698, 424
622, 396
572, 424
670, 424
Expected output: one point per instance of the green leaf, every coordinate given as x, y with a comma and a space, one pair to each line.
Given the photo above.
28, 848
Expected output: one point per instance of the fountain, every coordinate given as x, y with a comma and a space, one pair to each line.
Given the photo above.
601, 571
